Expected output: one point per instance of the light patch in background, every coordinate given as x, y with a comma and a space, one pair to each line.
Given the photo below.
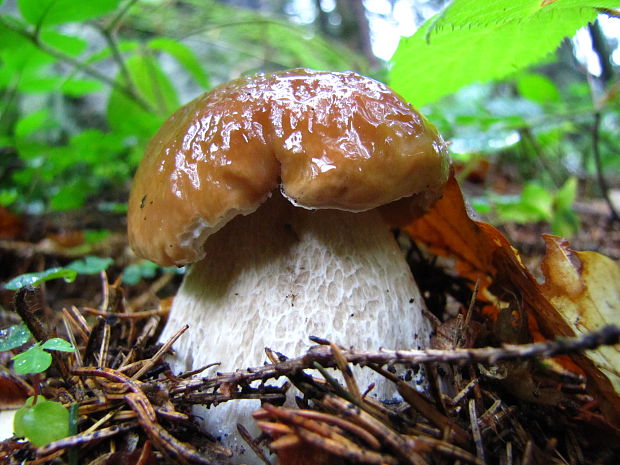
388, 24
582, 43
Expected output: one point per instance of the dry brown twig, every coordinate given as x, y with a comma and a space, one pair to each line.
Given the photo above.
323, 355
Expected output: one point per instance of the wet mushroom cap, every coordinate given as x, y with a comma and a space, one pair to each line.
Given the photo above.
334, 140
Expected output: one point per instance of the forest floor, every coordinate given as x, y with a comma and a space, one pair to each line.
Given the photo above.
132, 410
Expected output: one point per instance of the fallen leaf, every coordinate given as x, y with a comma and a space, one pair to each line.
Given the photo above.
11, 226
585, 289
482, 253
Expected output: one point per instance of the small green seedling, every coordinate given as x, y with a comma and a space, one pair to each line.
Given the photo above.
41, 422
536, 203
36, 359
87, 265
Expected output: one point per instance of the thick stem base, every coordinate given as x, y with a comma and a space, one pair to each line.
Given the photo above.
282, 274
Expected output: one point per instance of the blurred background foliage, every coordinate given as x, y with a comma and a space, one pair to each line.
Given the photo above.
527, 91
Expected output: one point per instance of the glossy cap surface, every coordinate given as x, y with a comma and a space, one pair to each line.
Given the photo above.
328, 139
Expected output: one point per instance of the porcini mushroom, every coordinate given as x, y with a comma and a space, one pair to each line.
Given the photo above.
271, 266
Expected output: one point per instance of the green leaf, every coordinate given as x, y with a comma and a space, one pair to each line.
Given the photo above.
143, 269
32, 122
126, 116
8, 196
70, 196
567, 194
39, 84
537, 88
90, 265
49, 12
59, 344
69, 45
184, 55
93, 236
123, 46
113, 207
41, 423
565, 223
34, 360
475, 41
34, 279
535, 203
538, 199
80, 87
14, 336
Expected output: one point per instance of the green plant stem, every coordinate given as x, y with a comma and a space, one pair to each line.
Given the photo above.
118, 59
27, 304
109, 34
526, 134
159, 95
113, 25
73, 430
33, 37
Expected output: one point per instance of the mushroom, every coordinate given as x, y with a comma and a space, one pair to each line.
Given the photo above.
269, 186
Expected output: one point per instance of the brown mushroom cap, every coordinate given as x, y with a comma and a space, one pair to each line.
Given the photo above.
329, 139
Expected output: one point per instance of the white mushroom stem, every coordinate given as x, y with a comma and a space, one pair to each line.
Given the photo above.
282, 274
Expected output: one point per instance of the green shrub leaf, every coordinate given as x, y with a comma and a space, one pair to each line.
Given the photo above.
537, 88
126, 116
32, 122
80, 87
50, 12
567, 194
184, 55
473, 41
69, 45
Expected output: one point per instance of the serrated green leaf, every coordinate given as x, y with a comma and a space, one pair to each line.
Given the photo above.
14, 336
476, 14
184, 55
59, 344
474, 41
34, 360
34, 279
51, 12
90, 265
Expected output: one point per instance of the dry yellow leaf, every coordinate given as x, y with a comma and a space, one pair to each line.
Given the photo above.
584, 287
